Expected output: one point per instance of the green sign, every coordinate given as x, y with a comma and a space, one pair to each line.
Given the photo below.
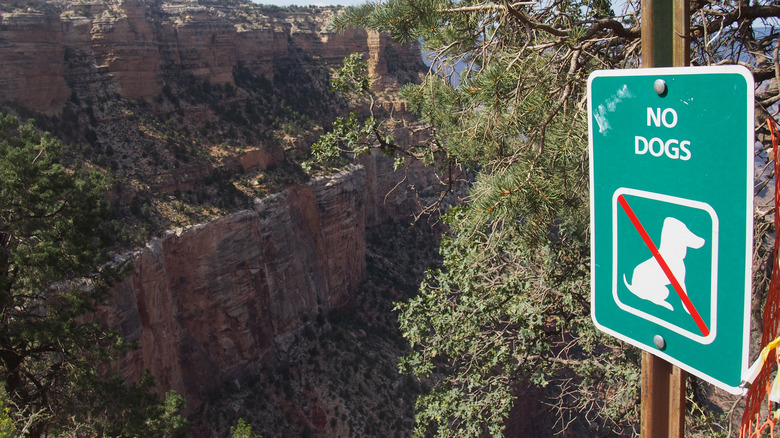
671, 181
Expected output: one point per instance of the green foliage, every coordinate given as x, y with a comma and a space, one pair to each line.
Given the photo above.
510, 305
347, 135
352, 76
164, 419
405, 21
7, 426
505, 99
53, 351
243, 430
501, 311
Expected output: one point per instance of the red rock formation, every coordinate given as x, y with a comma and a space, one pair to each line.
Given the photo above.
206, 46
257, 47
377, 65
132, 44
125, 48
32, 71
206, 303
260, 159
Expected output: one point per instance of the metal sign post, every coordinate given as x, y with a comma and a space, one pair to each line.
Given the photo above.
671, 181
671, 193
671, 156
665, 28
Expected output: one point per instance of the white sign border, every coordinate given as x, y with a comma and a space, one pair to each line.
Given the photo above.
750, 140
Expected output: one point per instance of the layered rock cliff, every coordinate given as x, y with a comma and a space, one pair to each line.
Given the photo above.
181, 96
206, 304
133, 46
201, 111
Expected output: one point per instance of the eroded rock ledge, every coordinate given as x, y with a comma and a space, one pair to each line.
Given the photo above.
131, 46
207, 303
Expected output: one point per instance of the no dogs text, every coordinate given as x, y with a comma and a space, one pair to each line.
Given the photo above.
658, 147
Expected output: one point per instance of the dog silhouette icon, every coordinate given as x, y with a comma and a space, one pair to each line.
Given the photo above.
648, 281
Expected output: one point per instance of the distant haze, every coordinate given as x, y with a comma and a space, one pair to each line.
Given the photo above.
311, 2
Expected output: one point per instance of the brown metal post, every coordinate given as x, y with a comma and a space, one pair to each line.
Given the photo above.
663, 398
656, 376
681, 44
677, 403
665, 27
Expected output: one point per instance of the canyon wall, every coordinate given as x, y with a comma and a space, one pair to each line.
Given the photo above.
204, 302
133, 45
208, 303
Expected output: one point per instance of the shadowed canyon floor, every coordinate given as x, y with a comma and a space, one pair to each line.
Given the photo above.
336, 374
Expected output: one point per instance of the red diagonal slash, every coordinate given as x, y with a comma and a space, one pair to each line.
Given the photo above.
654, 250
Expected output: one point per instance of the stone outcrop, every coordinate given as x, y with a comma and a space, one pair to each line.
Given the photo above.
207, 302
32, 70
254, 159
133, 45
125, 47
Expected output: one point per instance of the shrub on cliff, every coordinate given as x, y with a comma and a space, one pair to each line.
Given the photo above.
243, 430
54, 355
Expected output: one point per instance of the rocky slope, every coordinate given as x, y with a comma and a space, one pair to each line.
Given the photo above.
213, 304
184, 97
201, 112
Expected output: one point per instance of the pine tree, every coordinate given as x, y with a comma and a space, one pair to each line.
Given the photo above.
505, 99
54, 355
